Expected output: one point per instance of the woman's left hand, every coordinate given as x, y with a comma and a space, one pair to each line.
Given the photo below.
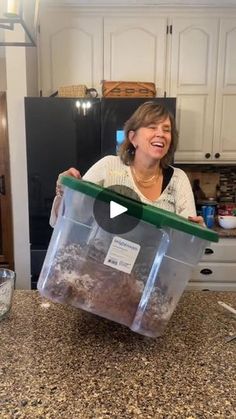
197, 219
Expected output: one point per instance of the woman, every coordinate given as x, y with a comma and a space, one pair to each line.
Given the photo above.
143, 164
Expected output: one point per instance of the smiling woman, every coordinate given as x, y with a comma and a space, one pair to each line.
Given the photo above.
148, 148
151, 126
143, 164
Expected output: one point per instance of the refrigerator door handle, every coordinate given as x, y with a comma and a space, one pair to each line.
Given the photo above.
2, 185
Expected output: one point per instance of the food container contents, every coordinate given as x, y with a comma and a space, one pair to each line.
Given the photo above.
135, 278
7, 282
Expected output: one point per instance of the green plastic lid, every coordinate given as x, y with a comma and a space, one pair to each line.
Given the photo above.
156, 216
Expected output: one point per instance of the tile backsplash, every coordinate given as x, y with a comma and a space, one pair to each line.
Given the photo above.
215, 181
228, 185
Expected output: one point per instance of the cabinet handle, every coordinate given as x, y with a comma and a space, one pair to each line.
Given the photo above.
208, 251
206, 271
217, 155
2, 185
207, 155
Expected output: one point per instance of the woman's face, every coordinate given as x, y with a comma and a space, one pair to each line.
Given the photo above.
152, 141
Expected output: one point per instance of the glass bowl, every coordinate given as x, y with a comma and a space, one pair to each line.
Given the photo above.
7, 282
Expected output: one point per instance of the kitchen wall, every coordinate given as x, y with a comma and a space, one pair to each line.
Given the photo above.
32, 71
3, 80
21, 80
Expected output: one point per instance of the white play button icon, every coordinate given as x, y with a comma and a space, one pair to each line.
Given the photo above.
116, 209
111, 209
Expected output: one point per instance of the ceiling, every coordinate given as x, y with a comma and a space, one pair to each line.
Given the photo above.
217, 3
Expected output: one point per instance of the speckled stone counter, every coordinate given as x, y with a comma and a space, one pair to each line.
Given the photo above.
223, 232
60, 362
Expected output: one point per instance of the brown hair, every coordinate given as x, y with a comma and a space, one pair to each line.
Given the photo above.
147, 114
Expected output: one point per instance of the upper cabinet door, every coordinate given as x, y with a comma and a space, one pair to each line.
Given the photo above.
71, 50
193, 64
135, 50
225, 128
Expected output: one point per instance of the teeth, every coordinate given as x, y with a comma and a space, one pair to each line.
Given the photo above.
158, 144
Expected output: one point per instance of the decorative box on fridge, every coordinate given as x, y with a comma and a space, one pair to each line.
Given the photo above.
126, 89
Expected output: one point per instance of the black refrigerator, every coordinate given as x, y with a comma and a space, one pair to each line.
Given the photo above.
63, 133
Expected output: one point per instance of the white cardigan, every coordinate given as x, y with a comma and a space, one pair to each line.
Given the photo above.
177, 197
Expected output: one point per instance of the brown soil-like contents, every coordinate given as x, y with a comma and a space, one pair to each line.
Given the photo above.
78, 277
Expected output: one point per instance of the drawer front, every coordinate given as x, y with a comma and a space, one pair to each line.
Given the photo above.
217, 272
224, 251
213, 286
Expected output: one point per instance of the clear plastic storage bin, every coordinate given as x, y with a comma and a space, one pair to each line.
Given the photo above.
135, 278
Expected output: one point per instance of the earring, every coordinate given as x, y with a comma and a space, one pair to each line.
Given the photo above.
131, 151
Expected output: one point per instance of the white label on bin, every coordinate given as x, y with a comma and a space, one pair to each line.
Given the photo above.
122, 254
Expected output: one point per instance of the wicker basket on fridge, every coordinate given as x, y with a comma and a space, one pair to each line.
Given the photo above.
75, 90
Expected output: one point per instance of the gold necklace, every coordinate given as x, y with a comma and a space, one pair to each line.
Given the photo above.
145, 182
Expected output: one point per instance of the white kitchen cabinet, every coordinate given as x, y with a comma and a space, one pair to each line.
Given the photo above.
217, 268
193, 65
135, 49
207, 116
224, 144
185, 57
190, 55
71, 50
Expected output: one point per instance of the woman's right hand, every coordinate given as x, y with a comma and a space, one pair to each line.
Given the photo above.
70, 172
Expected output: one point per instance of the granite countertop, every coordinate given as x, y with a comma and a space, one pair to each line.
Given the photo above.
223, 232
61, 362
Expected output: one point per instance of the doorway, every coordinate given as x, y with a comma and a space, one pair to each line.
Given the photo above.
6, 230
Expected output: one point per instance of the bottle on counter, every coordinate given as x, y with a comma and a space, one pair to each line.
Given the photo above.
209, 207
197, 191
218, 192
